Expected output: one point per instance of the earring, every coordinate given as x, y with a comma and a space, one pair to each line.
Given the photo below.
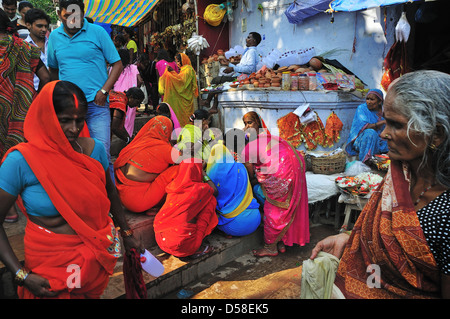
432, 147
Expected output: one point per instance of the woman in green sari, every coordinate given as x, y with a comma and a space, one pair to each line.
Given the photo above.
199, 134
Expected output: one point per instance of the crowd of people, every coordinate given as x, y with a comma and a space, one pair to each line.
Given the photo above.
74, 195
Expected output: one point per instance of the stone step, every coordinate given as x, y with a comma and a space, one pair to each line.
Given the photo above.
179, 272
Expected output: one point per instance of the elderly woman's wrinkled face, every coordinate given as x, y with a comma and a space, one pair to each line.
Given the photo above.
250, 123
402, 146
373, 102
251, 127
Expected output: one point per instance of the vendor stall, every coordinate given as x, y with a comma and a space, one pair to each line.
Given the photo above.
274, 104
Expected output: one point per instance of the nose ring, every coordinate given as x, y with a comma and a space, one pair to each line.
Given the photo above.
387, 136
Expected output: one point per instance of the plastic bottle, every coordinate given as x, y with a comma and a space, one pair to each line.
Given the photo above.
294, 81
303, 82
286, 81
151, 265
312, 81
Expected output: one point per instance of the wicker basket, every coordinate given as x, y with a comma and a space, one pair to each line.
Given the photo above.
328, 165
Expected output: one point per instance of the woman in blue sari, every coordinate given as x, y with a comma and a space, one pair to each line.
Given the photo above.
237, 209
364, 139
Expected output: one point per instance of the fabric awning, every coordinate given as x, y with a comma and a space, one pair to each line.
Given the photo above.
125, 13
355, 5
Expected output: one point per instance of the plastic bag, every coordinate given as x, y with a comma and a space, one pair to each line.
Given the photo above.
402, 29
298, 57
356, 167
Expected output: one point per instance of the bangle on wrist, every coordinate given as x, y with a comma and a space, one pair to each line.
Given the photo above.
126, 233
21, 275
128, 139
206, 178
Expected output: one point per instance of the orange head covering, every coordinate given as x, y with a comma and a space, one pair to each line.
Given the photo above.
185, 59
152, 141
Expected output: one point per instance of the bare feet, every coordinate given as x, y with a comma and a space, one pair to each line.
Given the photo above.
213, 110
266, 251
281, 247
202, 251
205, 103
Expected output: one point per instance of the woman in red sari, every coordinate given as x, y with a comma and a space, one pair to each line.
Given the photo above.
280, 170
399, 246
71, 243
145, 166
189, 213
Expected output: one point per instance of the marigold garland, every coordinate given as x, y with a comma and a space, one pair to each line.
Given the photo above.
290, 129
313, 133
333, 128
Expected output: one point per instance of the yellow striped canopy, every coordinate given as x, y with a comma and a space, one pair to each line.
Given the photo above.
125, 13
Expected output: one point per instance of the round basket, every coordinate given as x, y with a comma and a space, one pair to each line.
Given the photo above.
328, 165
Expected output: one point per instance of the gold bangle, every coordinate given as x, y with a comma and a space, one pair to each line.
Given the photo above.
21, 275
126, 233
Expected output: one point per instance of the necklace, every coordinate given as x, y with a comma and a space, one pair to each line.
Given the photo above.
423, 192
81, 149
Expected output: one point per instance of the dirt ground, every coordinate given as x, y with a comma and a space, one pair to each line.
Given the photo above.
247, 269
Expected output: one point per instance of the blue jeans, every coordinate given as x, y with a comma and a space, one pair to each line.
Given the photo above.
98, 120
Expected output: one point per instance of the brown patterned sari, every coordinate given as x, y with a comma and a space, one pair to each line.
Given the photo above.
388, 235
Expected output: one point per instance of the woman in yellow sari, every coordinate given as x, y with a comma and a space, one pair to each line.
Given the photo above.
180, 89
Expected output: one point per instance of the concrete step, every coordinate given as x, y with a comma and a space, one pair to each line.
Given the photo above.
179, 272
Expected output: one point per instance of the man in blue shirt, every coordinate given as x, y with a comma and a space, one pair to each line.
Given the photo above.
78, 52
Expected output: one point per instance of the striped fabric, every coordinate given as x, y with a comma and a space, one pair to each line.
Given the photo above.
125, 13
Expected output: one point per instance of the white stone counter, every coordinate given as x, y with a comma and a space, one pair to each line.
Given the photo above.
272, 105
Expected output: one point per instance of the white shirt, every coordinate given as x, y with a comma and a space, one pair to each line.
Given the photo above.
248, 62
43, 58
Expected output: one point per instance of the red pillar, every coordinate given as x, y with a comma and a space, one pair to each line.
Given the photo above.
217, 37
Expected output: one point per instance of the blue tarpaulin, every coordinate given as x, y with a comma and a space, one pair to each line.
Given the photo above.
303, 9
355, 5
105, 26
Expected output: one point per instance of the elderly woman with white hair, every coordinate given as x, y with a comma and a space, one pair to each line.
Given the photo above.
400, 244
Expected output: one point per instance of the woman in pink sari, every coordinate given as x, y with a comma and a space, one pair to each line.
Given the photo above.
163, 61
280, 170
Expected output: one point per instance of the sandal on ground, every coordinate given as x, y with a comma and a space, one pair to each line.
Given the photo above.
264, 252
281, 247
11, 219
202, 251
